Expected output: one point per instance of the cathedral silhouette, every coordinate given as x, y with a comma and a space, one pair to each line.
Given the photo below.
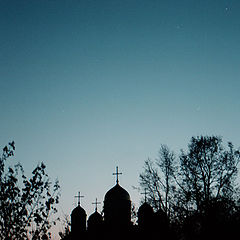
115, 222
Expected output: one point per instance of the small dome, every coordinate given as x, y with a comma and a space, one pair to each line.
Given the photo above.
95, 222
117, 193
145, 216
78, 220
78, 211
95, 217
145, 208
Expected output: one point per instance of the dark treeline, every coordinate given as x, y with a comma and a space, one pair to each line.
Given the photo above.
197, 190
190, 196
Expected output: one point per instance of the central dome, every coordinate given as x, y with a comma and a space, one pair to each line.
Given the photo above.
117, 193
117, 207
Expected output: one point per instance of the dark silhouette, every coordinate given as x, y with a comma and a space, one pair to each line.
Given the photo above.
25, 203
116, 219
158, 179
95, 222
78, 220
193, 197
197, 191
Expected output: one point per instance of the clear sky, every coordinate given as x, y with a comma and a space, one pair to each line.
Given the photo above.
88, 85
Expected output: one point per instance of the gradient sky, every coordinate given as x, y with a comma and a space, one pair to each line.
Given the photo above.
88, 85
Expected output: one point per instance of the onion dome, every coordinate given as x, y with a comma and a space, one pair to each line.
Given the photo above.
145, 208
95, 221
78, 211
145, 216
117, 207
117, 193
95, 217
78, 220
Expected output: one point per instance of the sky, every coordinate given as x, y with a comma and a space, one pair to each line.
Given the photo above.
88, 85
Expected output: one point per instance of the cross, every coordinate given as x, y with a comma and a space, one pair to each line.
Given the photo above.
145, 194
117, 173
78, 196
96, 203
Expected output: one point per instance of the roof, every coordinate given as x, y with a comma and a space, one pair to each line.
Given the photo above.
117, 193
144, 208
95, 217
78, 211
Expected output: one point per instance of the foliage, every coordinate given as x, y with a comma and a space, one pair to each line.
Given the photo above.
208, 171
133, 213
195, 181
26, 204
65, 234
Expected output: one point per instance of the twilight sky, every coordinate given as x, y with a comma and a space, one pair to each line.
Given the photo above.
87, 85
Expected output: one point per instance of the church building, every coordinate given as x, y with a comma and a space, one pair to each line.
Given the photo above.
116, 219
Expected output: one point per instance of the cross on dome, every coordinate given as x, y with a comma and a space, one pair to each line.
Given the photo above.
117, 173
79, 197
145, 194
96, 203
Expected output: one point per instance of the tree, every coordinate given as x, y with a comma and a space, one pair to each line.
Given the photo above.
26, 204
196, 180
208, 171
133, 213
158, 179
65, 234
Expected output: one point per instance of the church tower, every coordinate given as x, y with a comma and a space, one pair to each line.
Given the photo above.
117, 206
145, 216
78, 219
95, 221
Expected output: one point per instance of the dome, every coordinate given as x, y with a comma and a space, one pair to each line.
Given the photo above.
117, 193
145, 208
95, 217
78, 220
95, 222
145, 217
78, 211
117, 207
